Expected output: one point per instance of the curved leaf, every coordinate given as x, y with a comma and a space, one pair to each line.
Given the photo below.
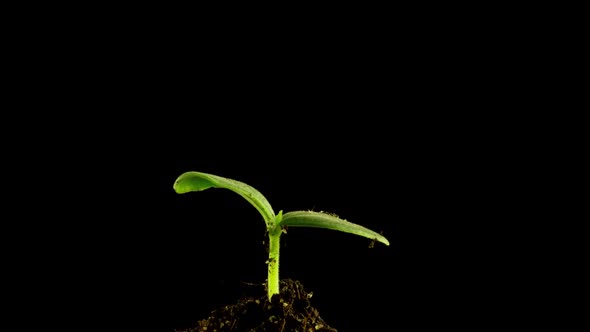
328, 221
197, 181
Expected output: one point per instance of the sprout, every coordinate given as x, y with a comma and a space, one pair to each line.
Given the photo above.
275, 223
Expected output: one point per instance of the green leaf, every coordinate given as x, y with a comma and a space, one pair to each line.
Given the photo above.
197, 181
328, 221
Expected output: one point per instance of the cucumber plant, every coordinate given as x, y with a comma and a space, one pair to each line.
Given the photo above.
275, 223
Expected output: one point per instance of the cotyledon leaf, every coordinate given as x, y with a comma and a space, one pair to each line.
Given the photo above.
328, 221
198, 181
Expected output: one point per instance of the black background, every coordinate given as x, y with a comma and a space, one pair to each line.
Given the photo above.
388, 126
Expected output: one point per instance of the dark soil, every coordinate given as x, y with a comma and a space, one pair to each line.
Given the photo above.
290, 311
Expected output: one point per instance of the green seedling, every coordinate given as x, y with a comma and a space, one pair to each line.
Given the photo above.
275, 223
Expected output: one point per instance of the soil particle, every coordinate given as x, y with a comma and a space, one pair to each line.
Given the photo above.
290, 311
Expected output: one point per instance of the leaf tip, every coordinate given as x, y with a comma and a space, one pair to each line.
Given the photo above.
192, 181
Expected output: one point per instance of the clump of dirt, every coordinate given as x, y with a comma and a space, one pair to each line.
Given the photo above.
289, 311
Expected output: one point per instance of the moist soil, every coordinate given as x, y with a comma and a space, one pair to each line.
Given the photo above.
288, 311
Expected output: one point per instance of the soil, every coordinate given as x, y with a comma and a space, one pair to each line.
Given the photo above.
289, 311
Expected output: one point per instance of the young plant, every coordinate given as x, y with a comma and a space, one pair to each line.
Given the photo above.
275, 223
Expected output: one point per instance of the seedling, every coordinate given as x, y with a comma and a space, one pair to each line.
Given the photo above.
275, 223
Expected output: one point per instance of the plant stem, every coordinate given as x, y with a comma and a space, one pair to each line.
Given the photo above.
274, 237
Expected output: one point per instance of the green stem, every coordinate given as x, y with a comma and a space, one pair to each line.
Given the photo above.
274, 237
